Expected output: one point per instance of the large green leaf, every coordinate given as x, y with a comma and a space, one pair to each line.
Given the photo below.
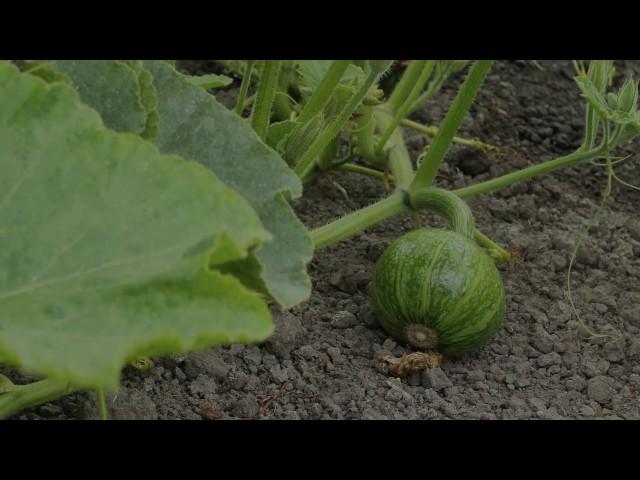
108, 248
194, 125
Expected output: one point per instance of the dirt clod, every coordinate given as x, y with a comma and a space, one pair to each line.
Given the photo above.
600, 390
436, 379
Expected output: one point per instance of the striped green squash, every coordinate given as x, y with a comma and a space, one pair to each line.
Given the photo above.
436, 289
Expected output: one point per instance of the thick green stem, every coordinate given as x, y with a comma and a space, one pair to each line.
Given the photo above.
249, 101
261, 113
399, 161
325, 89
591, 128
244, 87
404, 86
431, 90
448, 205
529, 172
32, 394
452, 121
328, 155
359, 220
400, 113
430, 131
102, 404
307, 162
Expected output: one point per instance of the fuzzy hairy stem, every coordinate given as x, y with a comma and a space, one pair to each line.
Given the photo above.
359, 220
400, 113
350, 167
307, 162
244, 87
452, 121
261, 113
529, 172
431, 131
398, 159
404, 86
326, 87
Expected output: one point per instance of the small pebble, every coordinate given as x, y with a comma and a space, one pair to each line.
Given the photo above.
414, 378
476, 376
436, 379
246, 407
549, 359
587, 411
389, 345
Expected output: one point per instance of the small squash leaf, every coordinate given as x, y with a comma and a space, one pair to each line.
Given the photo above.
313, 71
593, 95
630, 130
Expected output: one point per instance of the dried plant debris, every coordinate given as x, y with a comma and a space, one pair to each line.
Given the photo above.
416, 361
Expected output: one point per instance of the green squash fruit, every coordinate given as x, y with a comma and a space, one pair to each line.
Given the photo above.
437, 289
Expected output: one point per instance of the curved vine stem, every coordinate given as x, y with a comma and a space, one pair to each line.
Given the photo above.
448, 205
626, 184
430, 132
579, 243
350, 167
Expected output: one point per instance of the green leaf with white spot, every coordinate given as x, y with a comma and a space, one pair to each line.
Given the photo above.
194, 125
121, 91
46, 70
